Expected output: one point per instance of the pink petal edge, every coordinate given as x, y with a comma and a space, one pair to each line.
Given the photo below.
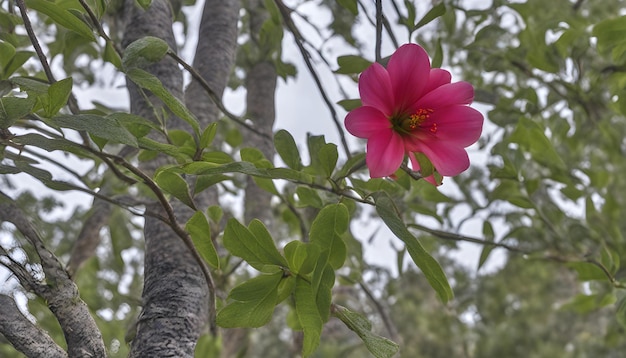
375, 89
364, 122
385, 153
409, 70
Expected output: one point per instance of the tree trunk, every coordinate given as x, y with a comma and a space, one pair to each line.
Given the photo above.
175, 294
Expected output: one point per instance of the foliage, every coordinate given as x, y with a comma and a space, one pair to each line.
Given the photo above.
550, 76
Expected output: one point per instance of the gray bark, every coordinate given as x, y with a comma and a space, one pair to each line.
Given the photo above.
25, 336
214, 59
260, 105
89, 237
260, 102
58, 290
175, 294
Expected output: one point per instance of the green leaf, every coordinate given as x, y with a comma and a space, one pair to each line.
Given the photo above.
315, 144
217, 157
621, 312
146, 50
258, 252
322, 282
255, 156
434, 13
284, 69
302, 257
215, 213
438, 56
610, 34
429, 266
308, 197
328, 158
61, 16
509, 190
111, 55
352, 64
100, 126
13, 109
287, 149
208, 135
326, 231
583, 303
286, 288
610, 259
489, 236
50, 145
152, 145
200, 232
308, 316
426, 166
7, 51
58, 95
16, 62
145, 4
379, 346
253, 302
350, 5
350, 104
175, 185
153, 84
351, 165
29, 85
264, 238
588, 271
136, 125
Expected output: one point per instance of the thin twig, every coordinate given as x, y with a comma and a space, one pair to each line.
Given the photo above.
379, 29
456, 237
286, 14
214, 97
71, 101
391, 327
179, 230
35, 42
550, 257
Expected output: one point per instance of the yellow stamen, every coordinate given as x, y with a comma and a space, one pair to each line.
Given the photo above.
418, 118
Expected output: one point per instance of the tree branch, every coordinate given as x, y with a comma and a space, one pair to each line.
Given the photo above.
25, 336
286, 14
379, 28
214, 97
533, 254
61, 294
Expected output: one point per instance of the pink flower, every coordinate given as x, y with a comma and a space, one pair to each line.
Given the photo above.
410, 108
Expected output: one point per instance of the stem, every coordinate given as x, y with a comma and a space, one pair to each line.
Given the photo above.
379, 28
214, 97
35, 42
285, 12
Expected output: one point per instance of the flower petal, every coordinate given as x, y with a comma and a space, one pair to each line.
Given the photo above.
364, 122
375, 89
385, 152
409, 69
448, 160
458, 126
447, 95
438, 77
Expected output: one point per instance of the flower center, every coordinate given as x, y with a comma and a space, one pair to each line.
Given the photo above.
415, 120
